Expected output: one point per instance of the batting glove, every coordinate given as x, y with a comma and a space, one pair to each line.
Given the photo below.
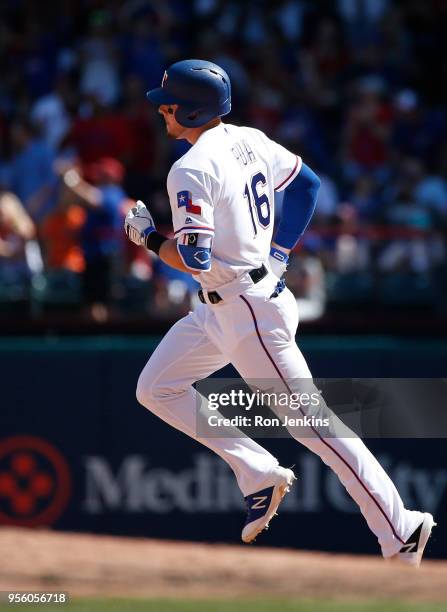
139, 224
278, 261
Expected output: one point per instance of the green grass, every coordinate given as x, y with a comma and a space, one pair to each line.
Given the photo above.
280, 605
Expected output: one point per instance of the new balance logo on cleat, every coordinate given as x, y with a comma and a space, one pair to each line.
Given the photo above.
257, 504
259, 501
262, 505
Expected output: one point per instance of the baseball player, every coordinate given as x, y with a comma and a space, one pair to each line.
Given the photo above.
221, 194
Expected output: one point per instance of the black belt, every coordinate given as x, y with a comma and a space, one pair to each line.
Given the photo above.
214, 297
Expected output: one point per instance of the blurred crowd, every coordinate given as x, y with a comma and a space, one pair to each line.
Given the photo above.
354, 86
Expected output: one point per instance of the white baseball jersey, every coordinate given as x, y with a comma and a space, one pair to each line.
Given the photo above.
224, 187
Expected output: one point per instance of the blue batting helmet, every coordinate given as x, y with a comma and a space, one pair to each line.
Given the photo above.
201, 89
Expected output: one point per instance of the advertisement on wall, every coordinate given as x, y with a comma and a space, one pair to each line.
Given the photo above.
87, 457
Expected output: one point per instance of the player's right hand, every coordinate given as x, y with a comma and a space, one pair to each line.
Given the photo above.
139, 224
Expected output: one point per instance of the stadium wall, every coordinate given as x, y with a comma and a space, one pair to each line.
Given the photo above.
78, 452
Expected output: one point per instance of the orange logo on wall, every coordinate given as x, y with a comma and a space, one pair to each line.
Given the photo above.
35, 483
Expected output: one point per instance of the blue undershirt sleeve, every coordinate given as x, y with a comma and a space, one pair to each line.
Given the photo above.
300, 198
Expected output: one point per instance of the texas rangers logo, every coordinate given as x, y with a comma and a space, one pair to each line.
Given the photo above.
184, 198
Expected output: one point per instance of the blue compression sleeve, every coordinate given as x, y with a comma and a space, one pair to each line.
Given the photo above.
300, 198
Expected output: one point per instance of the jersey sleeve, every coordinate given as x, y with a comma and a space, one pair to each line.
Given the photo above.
285, 165
191, 197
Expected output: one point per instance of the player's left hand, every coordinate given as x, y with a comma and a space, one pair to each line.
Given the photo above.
139, 224
278, 261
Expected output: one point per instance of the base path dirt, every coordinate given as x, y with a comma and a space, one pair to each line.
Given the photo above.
92, 565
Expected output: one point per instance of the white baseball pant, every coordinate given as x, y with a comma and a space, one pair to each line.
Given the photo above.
257, 335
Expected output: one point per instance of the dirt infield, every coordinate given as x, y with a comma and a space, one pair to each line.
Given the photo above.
91, 565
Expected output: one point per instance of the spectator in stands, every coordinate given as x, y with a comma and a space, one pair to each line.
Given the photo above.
306, 280
352, 249
328, 199
16, 231
413, 247
146, 159
361, 18
61, 234
431, 191
99, 132
100, 61
322, 61
50, 115
31, 166
365, 198
367, 132
417, 132
143, 47
99, 191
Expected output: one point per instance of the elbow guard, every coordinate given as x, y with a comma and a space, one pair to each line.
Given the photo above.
195, 251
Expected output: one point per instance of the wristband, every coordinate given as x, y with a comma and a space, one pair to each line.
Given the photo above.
154, 240
279, 255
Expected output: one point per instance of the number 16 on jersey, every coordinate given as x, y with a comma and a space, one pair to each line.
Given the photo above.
260, 201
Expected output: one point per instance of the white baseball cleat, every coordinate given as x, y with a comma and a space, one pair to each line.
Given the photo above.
413, 549
262, 505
